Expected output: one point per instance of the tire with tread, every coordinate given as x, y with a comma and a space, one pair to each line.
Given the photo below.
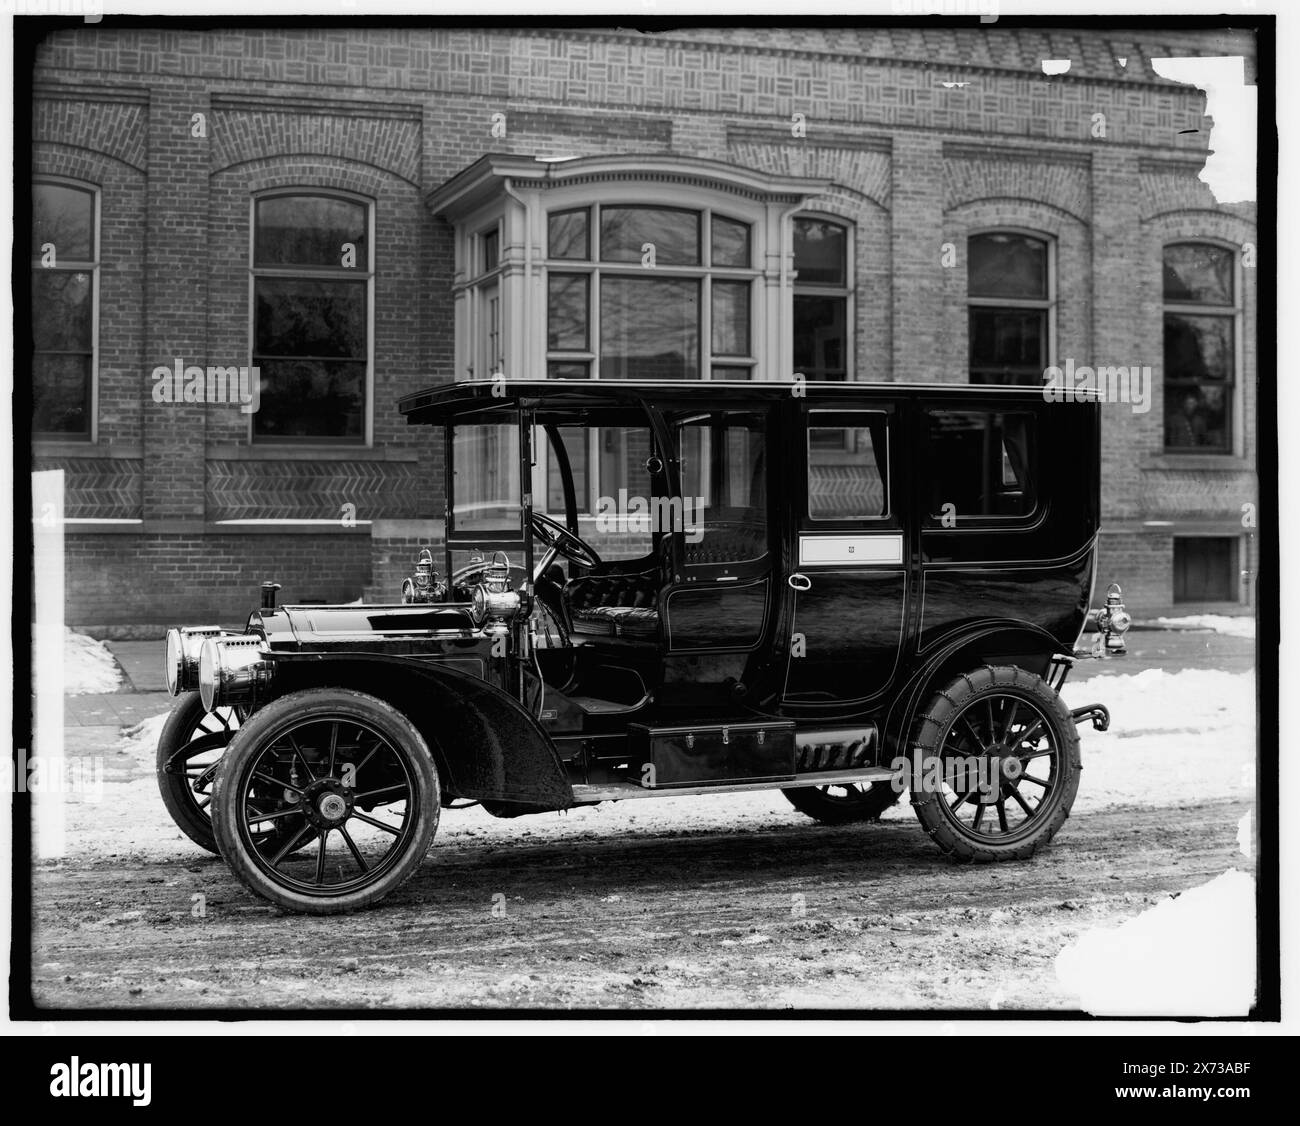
261, 730
871, 801
177, 732
930, 731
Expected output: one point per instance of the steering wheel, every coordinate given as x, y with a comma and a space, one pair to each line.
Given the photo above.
561, 541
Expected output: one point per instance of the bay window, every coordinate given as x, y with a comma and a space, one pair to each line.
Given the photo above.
658, 293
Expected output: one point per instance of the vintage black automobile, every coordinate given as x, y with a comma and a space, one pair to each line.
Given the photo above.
835, 590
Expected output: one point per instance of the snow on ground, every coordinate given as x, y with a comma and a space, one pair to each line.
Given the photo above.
88, 666
1178, 737
1188, 956
1218, 623
1175, 738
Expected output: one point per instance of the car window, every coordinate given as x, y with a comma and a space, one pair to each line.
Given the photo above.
978, 464
627, 519
485, 488
723, 465
848, 470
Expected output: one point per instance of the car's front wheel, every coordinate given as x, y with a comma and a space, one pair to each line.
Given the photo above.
357, 777
995, 765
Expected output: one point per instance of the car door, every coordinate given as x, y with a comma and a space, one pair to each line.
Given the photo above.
849, 556
720, 595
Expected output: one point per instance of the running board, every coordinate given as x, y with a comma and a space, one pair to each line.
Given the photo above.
621, 791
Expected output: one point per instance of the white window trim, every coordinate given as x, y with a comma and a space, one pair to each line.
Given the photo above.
591, 197
1050, 303
96, 193
255, 272
596, 270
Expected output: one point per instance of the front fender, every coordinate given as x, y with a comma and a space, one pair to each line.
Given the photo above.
487, 746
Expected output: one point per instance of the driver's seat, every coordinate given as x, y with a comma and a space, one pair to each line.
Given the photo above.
618, 601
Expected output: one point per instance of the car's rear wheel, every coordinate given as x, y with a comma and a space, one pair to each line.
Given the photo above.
995, 765
843, 804
357, 776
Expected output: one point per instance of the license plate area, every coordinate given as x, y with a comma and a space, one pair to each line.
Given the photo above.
664, 757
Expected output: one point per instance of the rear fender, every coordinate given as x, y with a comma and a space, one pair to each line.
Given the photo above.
487, 747
990, 643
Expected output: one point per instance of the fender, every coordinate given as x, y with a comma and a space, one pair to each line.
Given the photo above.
983, 643
486, 745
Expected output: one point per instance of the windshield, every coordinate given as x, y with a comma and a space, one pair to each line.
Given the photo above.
485, 479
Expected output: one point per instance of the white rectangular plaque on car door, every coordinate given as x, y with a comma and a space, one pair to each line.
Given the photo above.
851, 549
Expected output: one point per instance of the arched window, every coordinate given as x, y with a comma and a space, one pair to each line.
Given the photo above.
1010, 280
821, 299
1200, 346
312, 270
65, 265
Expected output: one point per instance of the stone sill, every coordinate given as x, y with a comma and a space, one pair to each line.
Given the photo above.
239, 452
59, 447
1228, 462
211, 528
228, 452
1178, 526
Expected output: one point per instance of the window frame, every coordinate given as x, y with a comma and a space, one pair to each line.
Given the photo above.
846, 292
933, 522
255, 272
1048, 304
1235, 312
91, 434
596, 269
485, 286
888, 518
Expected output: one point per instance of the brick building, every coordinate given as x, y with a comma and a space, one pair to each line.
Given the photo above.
359, 213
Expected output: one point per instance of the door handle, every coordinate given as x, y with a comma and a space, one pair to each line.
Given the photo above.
799, 582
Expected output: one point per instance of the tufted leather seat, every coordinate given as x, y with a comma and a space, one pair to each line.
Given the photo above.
615, 605
625, 603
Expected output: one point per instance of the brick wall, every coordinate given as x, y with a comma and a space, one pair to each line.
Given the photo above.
115, 580
388, 115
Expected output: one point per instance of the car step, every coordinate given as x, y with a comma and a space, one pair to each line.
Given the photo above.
620, 791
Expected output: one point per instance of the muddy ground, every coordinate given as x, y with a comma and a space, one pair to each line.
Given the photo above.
770, 916
684, 903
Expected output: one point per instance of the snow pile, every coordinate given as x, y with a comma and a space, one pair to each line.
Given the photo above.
1190, 956
1174, 738
88, 666
1218, 623
142, 739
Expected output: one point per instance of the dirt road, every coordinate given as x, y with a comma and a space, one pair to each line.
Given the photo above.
750, 907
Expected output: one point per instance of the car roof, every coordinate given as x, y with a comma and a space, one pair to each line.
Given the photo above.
446, 401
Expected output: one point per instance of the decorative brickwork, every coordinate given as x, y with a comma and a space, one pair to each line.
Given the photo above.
925, 135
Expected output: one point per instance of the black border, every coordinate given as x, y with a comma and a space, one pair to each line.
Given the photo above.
30, 31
